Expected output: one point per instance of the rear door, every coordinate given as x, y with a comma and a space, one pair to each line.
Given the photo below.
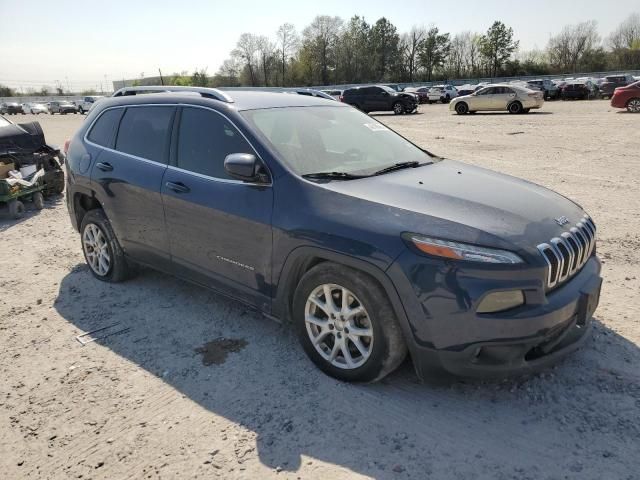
127, 176
219, 227
501, 97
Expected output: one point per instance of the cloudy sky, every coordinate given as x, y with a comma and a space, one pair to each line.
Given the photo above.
86, 43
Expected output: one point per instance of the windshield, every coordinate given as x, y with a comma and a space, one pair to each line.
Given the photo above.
387, 89
332, 139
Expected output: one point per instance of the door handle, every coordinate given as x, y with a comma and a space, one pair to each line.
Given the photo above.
178, 187
105, 167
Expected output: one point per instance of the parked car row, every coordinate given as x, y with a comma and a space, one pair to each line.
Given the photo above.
380, 98
58, 106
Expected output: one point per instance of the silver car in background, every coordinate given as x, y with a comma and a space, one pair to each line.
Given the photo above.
498, 97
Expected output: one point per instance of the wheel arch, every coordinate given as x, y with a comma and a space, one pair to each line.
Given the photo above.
303, 259
82, 203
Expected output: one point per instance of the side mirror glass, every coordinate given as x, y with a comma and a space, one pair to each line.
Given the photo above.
244, 166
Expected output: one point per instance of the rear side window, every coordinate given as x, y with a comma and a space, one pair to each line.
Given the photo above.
144, 132
205, 139
104, 130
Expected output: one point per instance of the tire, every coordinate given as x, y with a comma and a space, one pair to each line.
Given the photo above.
81, 111
104, 242
462, 108
38, 200
398, 108
447, 99
16, 209
515, 108
633, 105
385, 347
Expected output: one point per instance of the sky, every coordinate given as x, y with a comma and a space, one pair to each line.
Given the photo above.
83, 44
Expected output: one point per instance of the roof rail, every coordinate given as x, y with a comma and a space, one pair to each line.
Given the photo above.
213, 93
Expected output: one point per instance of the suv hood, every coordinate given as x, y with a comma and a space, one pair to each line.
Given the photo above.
460, 198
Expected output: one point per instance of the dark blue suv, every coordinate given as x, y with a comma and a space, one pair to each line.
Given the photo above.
315, 213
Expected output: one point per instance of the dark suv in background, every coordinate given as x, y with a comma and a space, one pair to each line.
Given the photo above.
313, 212
380, 98
611, 82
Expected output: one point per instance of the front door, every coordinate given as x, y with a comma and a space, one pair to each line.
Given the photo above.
219, 227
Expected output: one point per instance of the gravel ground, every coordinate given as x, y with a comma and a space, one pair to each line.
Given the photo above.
200, 387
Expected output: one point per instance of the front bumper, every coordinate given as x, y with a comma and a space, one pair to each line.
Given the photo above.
447, 335
618, 101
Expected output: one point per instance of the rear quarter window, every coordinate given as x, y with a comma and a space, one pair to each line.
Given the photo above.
103, 132
144, 132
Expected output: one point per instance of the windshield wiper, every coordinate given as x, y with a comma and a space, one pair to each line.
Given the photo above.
332, 176
400, 166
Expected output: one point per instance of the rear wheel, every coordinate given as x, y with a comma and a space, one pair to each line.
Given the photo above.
633, 105
398, 108
346, 324
515, 107
38, 200
462, 108
101, 248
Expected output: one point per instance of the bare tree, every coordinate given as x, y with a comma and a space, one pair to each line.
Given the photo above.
567, 49
247, 50
627, 35
287, 45
266, 50
410, 44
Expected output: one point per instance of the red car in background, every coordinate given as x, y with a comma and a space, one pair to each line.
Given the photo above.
627, 97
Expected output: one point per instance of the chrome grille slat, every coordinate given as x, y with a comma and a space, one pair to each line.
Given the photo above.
567, 254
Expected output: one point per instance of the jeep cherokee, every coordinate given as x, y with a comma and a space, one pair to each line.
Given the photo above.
314, 213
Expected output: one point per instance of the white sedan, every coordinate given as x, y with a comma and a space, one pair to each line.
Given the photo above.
35, 108
498, 97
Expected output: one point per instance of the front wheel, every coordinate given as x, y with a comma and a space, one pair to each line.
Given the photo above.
398, 108
16, 209
38, 200
101, 248
633, 105
346, 324
462, 108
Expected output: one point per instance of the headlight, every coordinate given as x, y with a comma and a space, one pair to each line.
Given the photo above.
460, 251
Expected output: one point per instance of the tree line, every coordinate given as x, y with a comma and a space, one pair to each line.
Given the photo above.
333, 51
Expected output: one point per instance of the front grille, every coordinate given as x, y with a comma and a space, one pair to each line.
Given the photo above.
566, 255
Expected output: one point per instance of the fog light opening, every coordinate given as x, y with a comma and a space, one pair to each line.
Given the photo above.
501, 301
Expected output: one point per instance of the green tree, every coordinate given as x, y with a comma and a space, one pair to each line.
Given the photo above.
200, 78
497, 46
384, 45
287, 41
354, 51
320, 39
6, 91
433, 51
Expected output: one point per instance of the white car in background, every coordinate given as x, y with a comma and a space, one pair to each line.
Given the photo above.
498, 97
442, 93
34, 108
87, 102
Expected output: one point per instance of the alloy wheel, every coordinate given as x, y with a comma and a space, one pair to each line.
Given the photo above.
398, 108
339, 326
96, 249
634, 105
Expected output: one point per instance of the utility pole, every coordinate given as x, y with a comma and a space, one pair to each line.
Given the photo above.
161, 79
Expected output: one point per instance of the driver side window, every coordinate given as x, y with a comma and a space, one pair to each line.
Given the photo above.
205, 138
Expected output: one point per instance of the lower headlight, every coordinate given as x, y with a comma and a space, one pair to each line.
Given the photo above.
500, 301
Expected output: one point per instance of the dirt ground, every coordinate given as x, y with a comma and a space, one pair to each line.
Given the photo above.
200, 387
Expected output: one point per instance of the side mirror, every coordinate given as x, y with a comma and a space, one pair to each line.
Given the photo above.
244, 166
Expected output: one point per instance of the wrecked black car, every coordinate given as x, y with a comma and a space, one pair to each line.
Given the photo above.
24, 149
